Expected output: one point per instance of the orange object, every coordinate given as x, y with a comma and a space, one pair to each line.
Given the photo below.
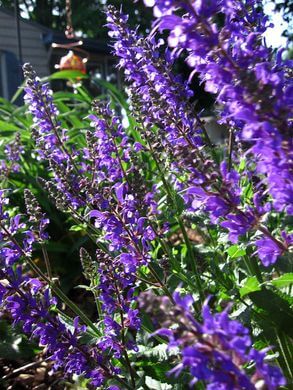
72, 62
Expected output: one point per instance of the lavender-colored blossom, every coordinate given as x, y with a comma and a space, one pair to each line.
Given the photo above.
238, 225
101, 178
38, 219
252, 85
121, 208
50, 138
269, 249
29, 304
216, 350
47, 133
151, 79
207, 187
13, 151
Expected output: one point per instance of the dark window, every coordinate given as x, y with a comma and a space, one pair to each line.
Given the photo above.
10, 74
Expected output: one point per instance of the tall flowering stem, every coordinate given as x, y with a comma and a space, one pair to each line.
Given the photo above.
118, 203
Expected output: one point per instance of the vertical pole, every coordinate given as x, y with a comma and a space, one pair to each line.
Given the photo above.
19, 48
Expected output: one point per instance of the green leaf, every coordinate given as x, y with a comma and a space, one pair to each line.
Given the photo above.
156, 385
69, 96
18, 92
180, 205
115, 93
250, 286
242, 165
159, 352
234, 251
67, 75
276, 308
283, 281
77, 228
5, 126
248, 192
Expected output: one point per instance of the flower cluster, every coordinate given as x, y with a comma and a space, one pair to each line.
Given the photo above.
151, 79
255, 92
51, 139
156, 93
118, 202
122, 206
216, 351
47, 132
12, 152
29, 303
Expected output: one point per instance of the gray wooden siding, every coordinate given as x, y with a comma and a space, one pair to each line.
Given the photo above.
33, 49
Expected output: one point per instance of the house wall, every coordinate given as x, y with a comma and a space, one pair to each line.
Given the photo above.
33, 49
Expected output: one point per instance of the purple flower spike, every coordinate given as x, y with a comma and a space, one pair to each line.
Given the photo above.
253, 85
216, 350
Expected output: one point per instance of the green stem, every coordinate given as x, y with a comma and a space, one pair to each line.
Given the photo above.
157, 277
175, 265
267, 233
166, 248
230, 148
47, 261
123, 339
253, 268
207, 139
64, 298
186, 239
97, 301
285, 353
80, 219
248, 265
192, 258
256, 269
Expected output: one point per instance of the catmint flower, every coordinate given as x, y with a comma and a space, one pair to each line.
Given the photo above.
159, 97
269, 249
207, 187
47, 132
36, 217
29, 306
251, 83
13, 151
29, 302
216, 350
51, 139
